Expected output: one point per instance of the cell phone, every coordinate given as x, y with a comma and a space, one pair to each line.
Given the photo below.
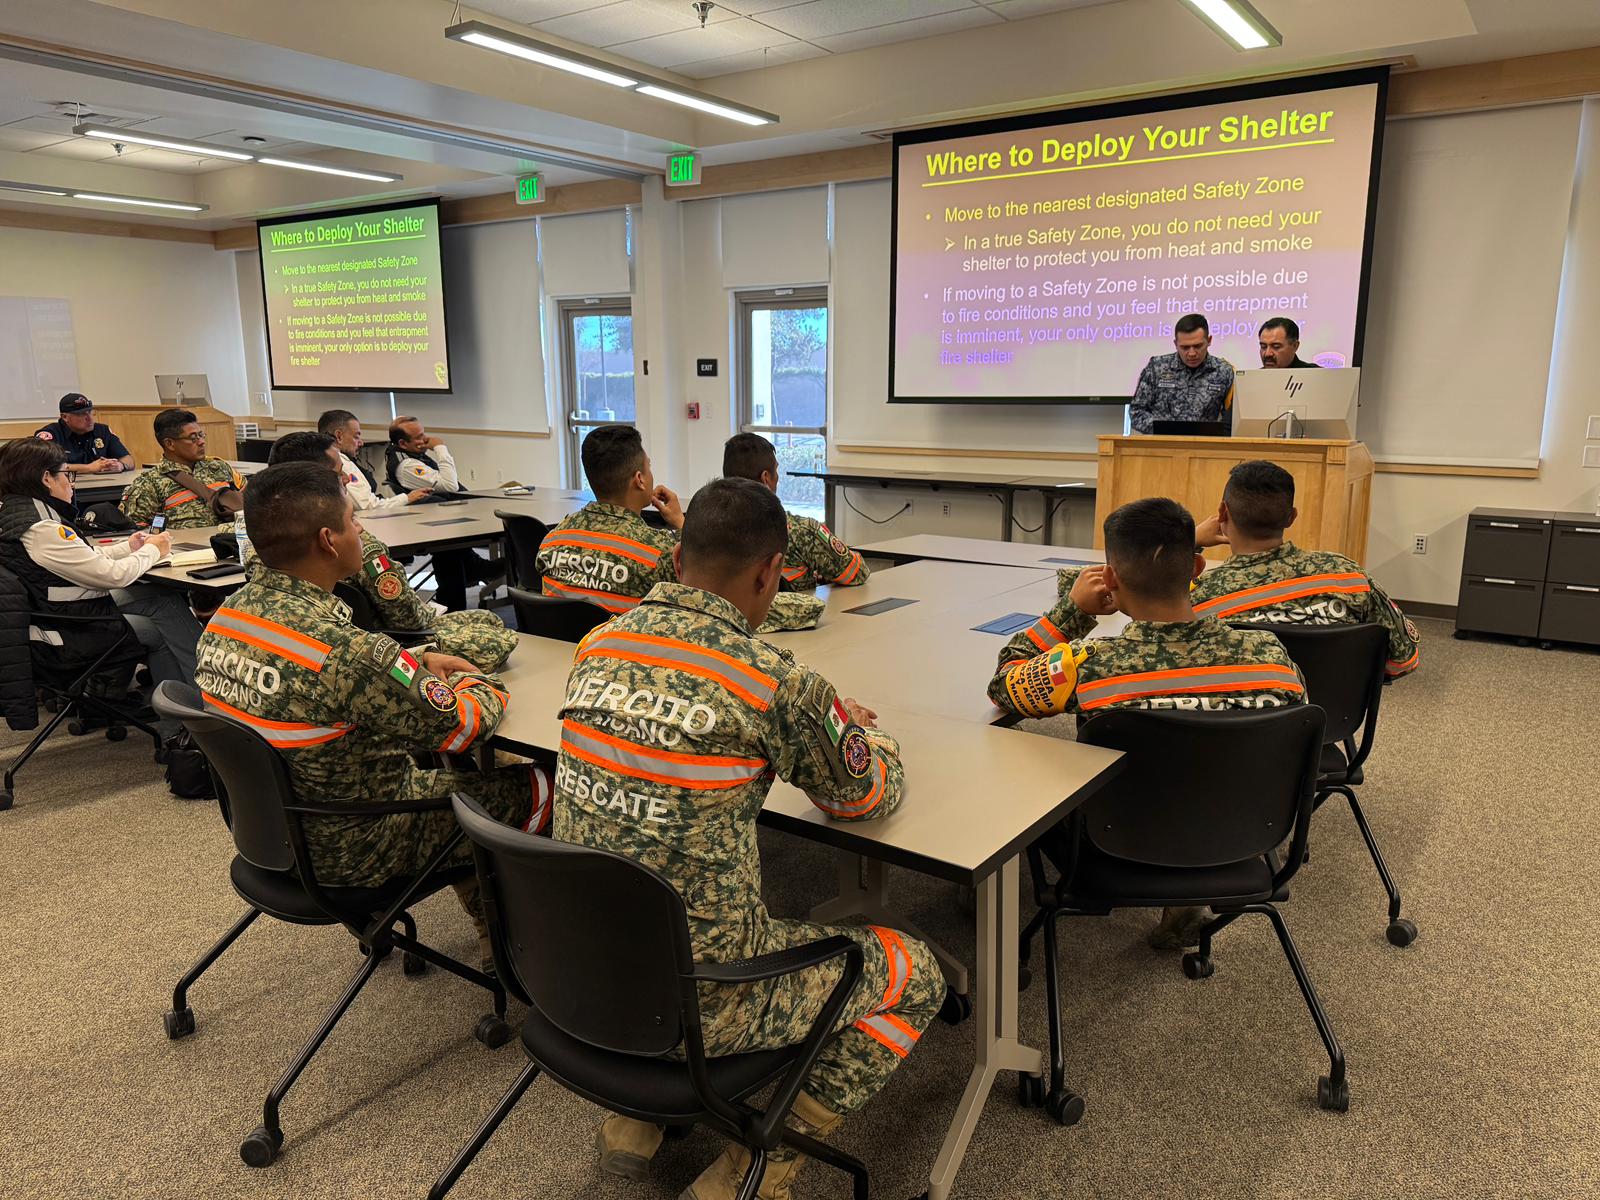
214, 570
158, 522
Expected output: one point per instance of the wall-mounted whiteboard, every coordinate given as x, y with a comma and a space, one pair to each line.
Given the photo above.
38, 356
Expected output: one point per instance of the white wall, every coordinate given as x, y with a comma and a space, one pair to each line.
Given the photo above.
139, 308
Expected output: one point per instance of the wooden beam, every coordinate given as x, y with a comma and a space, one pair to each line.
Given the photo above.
1504, 83
799, 170
66, 222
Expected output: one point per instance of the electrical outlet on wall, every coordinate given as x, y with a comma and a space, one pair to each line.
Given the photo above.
1591, 456
1419, 544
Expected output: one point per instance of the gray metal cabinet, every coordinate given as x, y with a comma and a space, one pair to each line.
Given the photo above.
1503, 571
1571, 608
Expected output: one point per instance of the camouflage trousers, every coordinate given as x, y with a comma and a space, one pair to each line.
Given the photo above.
899, 993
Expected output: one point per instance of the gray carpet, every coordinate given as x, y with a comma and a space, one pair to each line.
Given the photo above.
1473, 1054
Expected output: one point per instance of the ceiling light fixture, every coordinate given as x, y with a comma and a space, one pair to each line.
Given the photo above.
745, 116
1239, 22
160, 143
347, 172
546, 54
139, 201
37, 189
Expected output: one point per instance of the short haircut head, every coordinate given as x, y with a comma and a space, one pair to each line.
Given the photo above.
397, 430
169, 424
1287, 324
732, 524
335, 419
1150, 544
286, 505
746, 455
1260, 498
1191, 322
23, 463
303, 445
611, 454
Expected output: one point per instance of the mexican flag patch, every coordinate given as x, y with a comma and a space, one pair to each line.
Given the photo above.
836, 722
404, 668
379, 565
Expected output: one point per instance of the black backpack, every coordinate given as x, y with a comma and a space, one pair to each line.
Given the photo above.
188, 772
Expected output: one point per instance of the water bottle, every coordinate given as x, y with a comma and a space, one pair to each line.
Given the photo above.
240, 535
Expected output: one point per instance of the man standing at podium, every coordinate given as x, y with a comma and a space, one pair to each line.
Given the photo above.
1280, 345
1190, 384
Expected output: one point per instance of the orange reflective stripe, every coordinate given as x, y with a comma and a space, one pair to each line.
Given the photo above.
590, 539
609, 601
899, 958
743, 668
283, 735
1294, 588
754, 687
1186, 681
794, 573
484, 683
1399, 668
844, 577
698, 772
889, 1038
177, 498
1043, 629
270, 636
469, 718
861, 807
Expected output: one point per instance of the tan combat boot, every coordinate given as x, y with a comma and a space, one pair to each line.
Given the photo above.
626, 1146
466, 891
1178, 929
721, 1180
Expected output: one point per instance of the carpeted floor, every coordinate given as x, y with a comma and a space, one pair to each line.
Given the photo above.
1473, 1054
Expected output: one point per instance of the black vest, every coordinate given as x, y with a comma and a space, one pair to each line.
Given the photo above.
48, 593
392, 455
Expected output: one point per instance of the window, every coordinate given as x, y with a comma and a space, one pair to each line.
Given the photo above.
783, 385
597, 371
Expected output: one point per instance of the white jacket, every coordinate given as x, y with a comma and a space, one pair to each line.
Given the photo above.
95, 570
360, 490
413, 473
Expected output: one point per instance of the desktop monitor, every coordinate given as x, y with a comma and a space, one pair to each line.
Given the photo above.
1322, 398
184, 391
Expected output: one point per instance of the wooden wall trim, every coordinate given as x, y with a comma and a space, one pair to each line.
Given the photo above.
1504, 83
963, 452
66, 221
540, 434
1392, 468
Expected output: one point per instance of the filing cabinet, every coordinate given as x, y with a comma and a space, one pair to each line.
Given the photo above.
1571, 610
1531, 574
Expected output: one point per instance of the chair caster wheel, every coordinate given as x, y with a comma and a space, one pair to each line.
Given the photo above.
1024, 978
957, 1007
178, 1024
415, 964
1065, 1106
492, 1032
1030, 1091
6, 799
1401, 932
77, 728
1197, 967
1335, 1097
261, 1147
1461, 635
116, 733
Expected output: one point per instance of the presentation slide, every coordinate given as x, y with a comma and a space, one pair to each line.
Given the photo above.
355, 300
1047, 259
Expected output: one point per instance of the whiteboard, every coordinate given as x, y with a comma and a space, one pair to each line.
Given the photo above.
38, 356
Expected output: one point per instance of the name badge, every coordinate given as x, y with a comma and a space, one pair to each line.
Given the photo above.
99, 443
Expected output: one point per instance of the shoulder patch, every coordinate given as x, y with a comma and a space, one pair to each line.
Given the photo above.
1412, 631
437, 693
836, 545
389, 585
404, 668
44, 435
856, 753
65, 534
384, 650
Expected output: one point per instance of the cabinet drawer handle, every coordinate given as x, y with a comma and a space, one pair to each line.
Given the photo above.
1504, 525
1575, 588
1506, 582
1584, 529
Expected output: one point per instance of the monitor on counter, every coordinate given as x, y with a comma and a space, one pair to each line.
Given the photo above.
1323, 401
184, 391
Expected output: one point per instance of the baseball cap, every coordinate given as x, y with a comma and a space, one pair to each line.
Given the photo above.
76, 402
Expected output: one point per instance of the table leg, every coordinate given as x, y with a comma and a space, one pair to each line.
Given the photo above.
864, 892
1049, 517
995, 1018
1008, 500
829, 504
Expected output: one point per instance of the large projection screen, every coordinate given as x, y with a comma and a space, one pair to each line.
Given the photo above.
355, 300
1044, 259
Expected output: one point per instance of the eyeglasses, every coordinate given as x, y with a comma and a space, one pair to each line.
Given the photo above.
191, 437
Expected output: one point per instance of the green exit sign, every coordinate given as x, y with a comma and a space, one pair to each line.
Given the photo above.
683, 170
530, 190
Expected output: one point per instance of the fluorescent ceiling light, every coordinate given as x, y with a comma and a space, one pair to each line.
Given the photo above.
715, 107
545, 54
37, 189
160, 143
1239, 22
102, 198
322, 169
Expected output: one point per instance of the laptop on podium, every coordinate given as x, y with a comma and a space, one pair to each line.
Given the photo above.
1323, 400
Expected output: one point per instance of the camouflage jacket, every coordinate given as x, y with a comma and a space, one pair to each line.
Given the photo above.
676, 721
607, 555
1306, 587
1054, 667
1170, 391
817, 556
347, 710
156, 491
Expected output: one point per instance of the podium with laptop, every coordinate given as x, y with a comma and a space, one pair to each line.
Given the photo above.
1303, 420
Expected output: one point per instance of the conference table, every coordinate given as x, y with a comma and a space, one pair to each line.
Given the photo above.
917, 546
953, 754
93, 489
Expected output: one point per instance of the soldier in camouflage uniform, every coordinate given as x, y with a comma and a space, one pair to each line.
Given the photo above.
183, 447
1167, 657
1269, 579
348, 709
815, 554
1191, 384
676, 721
477, 636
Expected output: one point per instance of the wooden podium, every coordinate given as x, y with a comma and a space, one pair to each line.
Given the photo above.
1332, 482
133, 423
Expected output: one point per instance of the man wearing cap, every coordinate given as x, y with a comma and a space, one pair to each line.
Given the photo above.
90, 447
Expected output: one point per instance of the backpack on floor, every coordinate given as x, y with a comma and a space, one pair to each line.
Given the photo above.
188, 772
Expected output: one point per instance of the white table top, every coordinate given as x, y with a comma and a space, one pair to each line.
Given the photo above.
87, 486
982, 550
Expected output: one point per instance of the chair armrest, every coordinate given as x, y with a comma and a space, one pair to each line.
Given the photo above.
770, 966
311, 808
408, 637
61, 619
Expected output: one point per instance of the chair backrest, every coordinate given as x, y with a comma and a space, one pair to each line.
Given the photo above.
1203, 789
257, 450
251, 772
524, 536
1343, 668
555, 616
596, 942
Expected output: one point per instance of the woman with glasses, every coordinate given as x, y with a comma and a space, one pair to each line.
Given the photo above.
184, 483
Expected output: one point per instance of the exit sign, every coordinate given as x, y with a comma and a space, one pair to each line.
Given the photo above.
683, 170
530, 190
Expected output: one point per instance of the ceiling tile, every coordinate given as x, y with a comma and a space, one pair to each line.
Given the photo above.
751, 8
697, 45
750, 60
77, 147
530, 12
628, 21
22, 140
1021, 10
908, 31
824, 18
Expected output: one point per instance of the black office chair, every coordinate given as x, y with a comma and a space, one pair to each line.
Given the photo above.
256, 450
364, 616
558, 617
524, 536
1343, 668
68, 689
612, 995
1193, 820
273, 873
